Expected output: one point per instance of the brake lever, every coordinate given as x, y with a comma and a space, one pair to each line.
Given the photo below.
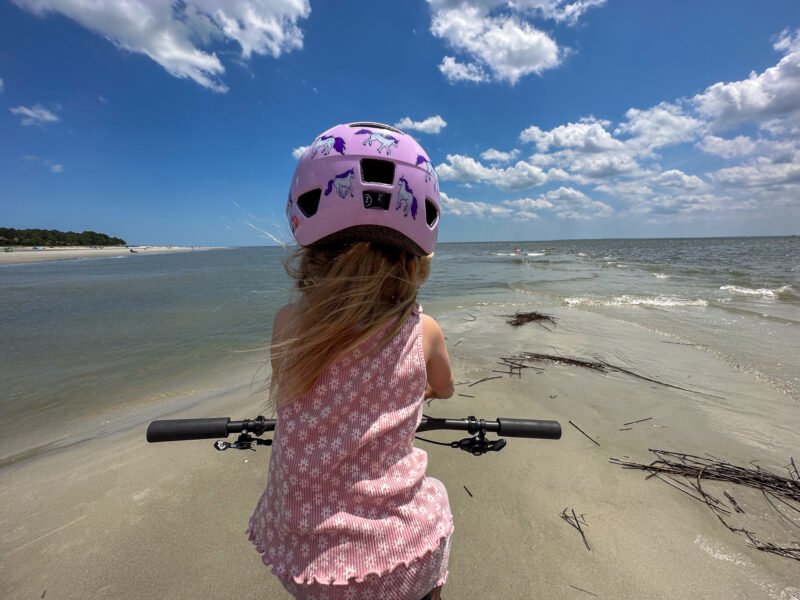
244, 442
479, 445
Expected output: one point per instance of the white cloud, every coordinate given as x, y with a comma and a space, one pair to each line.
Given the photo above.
1, 85
35, 115
662, 125
560, 10
760, 172
170, 33
779, 150
456, 71
588, 136
568, 11
497, 156
298, 152
774, 92
727, 148
522, 175
630, 190
524, 207
463, 208
433, 124
464, 168
570, 203
623, 159
598, 166
507, 46
677, 179
50, 164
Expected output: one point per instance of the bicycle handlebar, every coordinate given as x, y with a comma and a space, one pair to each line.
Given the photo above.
221, 427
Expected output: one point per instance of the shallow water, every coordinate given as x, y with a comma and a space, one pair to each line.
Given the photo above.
91, 337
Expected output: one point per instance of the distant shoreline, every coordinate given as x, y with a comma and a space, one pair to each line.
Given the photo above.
27, 254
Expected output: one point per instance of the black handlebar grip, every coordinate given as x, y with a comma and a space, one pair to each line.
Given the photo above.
177, 430
529, 428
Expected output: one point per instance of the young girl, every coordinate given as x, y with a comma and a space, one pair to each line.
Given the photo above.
348, 511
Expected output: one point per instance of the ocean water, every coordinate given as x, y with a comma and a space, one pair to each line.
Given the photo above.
98, 337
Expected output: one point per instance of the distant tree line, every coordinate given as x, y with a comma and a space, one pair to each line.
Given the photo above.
53, 237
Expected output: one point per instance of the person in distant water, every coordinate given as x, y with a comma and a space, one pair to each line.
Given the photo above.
348, 511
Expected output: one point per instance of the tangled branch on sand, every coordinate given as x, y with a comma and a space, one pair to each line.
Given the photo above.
576, 522
521, 318
785, 490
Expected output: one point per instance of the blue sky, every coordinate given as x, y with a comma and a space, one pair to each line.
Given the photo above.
176, 123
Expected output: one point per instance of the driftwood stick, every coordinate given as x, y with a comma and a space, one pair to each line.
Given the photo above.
484, 379
582, 590
639, 421
584, 433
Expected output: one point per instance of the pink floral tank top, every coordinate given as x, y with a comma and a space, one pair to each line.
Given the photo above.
347, 495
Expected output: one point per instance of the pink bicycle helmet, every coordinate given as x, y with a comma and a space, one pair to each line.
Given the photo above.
365, 182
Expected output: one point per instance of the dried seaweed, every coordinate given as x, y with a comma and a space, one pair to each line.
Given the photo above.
521, 318
603, 367
783, 489
563, 360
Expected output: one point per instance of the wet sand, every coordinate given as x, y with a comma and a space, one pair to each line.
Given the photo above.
120, 518
28, 255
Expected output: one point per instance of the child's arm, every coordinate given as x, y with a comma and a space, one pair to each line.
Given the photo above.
437, 362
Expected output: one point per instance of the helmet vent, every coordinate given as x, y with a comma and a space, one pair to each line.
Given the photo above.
375, 126
431, 212
377, 171
308, 203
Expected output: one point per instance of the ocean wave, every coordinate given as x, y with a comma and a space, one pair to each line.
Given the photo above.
763, 292
625, 300
518, 254
662, 276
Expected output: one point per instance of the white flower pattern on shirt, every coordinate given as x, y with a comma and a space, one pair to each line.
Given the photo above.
354, 500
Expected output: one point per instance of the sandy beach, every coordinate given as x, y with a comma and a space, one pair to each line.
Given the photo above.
26, 254
120, 518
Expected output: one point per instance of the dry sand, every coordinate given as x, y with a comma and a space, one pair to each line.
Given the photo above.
27, 254
120, 518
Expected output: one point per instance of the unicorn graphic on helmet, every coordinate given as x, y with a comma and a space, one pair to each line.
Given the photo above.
403, 198
430, 170
326, 142
343, 184
384, 141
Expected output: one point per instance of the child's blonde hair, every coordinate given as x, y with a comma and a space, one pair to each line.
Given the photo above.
346, 294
